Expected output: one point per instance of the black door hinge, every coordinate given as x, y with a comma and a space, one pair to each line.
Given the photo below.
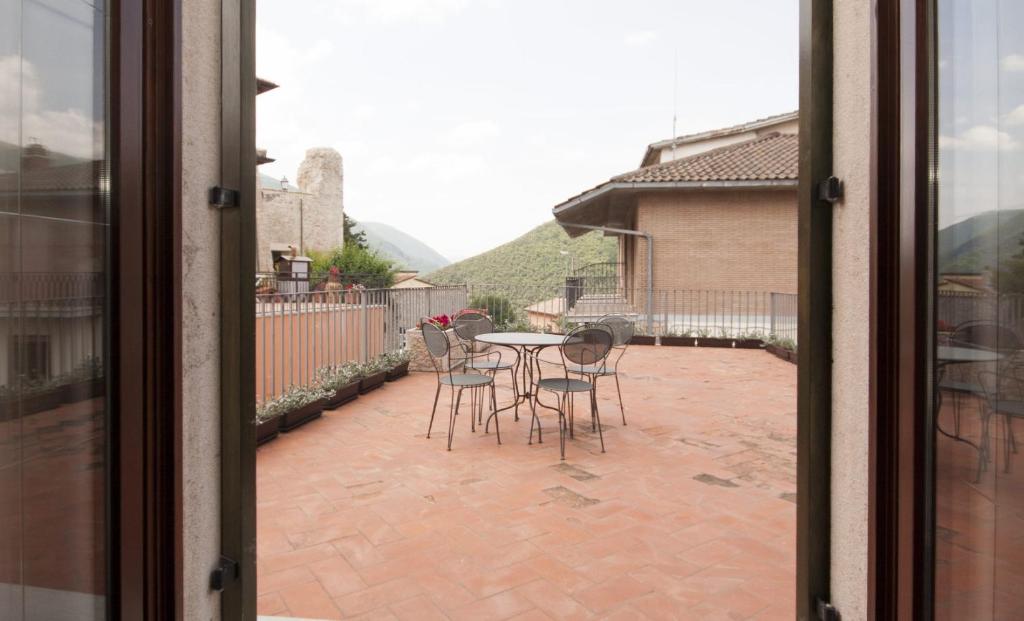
226, 573
830, 190
222, 198
827, 612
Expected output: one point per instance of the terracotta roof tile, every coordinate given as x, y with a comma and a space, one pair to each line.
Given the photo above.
771, 157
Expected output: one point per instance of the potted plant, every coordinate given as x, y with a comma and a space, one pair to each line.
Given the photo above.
340, 382
84, 382
39, 396
268, 421
642, 339
374, 374
398, 364
300, 405
782, 348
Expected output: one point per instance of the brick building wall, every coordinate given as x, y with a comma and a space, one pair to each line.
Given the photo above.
731, 240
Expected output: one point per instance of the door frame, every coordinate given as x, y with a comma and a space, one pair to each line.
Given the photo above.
901, 435
238, 309
144, 509
814, 375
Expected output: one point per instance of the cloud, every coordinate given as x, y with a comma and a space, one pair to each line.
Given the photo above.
398, 11
1013, 62
980, 138
1016, 117
70, 131
640, 38
472, 134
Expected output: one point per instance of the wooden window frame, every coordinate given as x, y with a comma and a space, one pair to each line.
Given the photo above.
902, 468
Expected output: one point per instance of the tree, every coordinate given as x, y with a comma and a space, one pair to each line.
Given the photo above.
351, 237
355, 265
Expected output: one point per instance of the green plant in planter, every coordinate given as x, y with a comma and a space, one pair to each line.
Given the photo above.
295, 398
333, 378
90, 368
394, 359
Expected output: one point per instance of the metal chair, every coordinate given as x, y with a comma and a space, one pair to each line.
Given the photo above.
587, 345
469, 324
961, 382
622, 333
1004, 396
439, 347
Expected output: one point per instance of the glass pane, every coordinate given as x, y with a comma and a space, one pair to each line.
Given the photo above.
979, 549
53, 309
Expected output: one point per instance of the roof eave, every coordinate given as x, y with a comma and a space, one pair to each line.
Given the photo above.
614, 186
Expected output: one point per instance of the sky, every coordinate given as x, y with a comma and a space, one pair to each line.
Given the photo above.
463, 122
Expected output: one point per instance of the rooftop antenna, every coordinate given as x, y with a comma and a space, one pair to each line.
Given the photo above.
675, 100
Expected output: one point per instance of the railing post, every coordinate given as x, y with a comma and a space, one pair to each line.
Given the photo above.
365, 341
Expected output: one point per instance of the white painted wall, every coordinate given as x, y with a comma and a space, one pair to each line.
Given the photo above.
853, 89
200, 253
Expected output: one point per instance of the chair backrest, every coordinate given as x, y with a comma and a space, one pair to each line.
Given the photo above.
986, 335
470, 324
587, 345
435, 340
622, 328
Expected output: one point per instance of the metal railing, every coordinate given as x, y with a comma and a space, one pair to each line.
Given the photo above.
40, 286
44, 340
299, 333
277, 282
711, 313
954, 308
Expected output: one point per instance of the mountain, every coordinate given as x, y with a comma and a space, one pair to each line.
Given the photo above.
404, 249
981, 242
531, 268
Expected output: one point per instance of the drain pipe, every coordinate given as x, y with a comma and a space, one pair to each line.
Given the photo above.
650, 257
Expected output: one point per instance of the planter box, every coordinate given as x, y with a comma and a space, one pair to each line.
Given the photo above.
301, 416
372, 382
781, 353
676, 341
400, 371
81, 391
40, 402
343, 395
748, 344
639, 339
267, 430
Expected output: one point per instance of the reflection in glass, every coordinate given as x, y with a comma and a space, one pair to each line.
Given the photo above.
53, 309
979, 478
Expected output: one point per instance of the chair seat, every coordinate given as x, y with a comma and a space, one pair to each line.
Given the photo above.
565, 385
1009, 408
466, 380
592, 369
488, 365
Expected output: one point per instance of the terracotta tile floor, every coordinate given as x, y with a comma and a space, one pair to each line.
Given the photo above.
690, 513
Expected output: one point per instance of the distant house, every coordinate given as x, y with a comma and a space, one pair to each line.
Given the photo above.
544, 315
410, 280
716, 211
964, 284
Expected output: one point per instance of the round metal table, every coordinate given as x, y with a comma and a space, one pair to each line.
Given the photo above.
946, 355
528, 345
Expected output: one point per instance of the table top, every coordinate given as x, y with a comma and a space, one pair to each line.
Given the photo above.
521, 339
951, 353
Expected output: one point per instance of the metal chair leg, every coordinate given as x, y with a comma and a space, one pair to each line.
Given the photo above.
494, 408
451, 417
619, 390
597, 415
437, 394
562, 425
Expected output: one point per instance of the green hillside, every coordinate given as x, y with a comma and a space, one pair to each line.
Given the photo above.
531, 268
981, 242
405, 250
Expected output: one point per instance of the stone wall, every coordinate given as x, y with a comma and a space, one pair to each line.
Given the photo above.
310, 217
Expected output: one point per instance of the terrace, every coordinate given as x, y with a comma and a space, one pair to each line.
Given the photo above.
690, 512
